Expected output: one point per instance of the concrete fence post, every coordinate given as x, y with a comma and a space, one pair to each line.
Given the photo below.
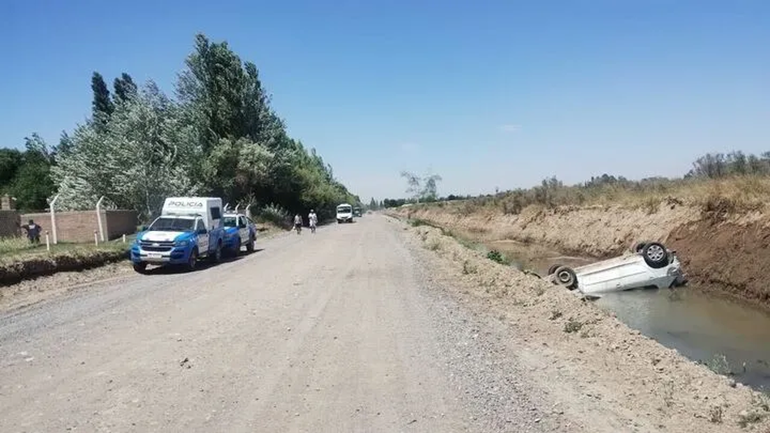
99, 217
53, 220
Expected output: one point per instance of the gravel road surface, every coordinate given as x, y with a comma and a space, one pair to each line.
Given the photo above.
339, 331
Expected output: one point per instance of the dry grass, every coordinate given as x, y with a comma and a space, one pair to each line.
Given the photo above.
14, 246
19, 249
726, 195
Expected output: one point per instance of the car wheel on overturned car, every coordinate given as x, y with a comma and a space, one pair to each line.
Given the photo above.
639, 246
553, 268
566, 277
655, 255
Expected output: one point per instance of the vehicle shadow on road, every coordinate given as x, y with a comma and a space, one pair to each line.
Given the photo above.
201, 266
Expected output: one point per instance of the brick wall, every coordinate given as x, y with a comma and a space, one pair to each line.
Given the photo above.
10, 223
119, 222
79, 226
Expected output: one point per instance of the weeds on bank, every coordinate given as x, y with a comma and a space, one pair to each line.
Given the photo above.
497, 256
573, 326
716, 415
668, 393
719, 365
16, 245
469, 268
19, 249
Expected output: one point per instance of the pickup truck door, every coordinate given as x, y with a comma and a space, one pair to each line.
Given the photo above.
203, 236
243, 229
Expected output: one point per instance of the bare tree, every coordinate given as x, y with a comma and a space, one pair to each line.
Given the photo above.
414, 183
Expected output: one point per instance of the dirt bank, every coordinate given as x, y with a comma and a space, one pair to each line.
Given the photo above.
728, 251
16, 271
564, 341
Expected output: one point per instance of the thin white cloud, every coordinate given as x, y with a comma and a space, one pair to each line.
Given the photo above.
510, 127
410, 148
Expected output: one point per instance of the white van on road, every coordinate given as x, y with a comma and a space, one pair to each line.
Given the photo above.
344, 213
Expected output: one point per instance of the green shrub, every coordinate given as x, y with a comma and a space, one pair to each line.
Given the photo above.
274, 214
497, 256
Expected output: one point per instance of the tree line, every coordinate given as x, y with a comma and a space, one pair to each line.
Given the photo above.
217, 136
551, 190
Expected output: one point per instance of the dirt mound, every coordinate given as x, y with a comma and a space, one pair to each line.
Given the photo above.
14, 272
734, 257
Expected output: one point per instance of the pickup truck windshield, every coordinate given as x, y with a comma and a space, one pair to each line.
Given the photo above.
230, 221
173, 224
343, 209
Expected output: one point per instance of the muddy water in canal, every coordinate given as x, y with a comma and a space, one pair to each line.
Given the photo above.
731, 337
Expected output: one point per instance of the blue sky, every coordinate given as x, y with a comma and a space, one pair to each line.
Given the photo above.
487, 94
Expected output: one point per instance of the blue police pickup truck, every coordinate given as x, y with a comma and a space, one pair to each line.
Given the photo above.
188, 229
240, 231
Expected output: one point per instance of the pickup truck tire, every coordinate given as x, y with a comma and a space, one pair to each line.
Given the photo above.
553, 269
140, 267
216, 256
250, 245
566, 277
655, 255
237, 248
192, 261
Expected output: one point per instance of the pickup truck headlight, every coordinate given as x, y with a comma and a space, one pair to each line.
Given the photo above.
183, 243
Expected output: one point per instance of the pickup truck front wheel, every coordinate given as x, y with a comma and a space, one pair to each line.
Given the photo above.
192, 261
140, 267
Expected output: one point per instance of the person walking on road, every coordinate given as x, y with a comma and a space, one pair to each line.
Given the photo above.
313, 220
297, 223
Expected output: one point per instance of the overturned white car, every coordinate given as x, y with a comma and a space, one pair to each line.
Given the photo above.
650, 265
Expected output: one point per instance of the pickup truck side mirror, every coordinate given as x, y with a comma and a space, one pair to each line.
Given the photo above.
144, 228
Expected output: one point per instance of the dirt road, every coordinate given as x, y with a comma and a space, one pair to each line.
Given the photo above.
365, 327
335, 331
